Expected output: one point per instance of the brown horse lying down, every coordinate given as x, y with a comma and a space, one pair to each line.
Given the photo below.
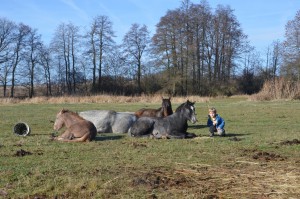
163, 111
78, 129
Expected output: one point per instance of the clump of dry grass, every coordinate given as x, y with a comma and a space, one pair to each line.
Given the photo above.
101, 99
277, 89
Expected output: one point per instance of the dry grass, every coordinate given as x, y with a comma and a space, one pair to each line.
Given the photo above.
101, 99
278, 89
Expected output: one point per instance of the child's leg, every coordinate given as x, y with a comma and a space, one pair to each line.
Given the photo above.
212, 130
221, 132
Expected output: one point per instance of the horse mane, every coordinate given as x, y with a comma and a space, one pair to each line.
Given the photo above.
180, 107
75, 114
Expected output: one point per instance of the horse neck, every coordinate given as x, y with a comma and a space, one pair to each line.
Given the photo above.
159, 112
166, 111
70, 119
179, 118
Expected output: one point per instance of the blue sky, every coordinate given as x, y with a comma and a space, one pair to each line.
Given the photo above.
262, 20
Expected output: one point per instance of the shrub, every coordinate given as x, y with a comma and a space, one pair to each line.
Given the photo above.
279, 88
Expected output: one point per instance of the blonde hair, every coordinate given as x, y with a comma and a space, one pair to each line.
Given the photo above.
212, 109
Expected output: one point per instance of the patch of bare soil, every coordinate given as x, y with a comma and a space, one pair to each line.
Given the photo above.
21, 153
137, 145
262, 155
265, 156
276, 178
290, 142
174, 183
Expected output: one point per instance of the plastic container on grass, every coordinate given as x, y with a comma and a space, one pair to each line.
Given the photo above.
21, 129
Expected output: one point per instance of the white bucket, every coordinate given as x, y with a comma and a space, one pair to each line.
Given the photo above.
21, 129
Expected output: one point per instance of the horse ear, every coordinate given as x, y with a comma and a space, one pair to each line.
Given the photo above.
63, 110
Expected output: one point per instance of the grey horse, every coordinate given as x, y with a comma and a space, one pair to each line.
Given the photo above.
109, 121
172, 126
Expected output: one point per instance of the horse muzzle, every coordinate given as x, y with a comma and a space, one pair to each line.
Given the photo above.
194, 120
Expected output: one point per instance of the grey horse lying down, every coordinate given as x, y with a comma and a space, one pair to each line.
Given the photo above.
109, 121
172, 126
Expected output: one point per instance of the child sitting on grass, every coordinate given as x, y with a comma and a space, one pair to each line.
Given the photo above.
215, 123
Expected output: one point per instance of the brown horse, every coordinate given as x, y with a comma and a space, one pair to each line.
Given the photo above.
78, 129
163, 111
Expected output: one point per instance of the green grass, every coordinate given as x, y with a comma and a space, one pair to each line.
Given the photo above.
117, 166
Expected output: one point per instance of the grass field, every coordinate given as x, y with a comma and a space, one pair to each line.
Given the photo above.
259, 157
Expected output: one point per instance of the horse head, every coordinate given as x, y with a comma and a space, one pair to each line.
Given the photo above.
59, 121
188, 110
166, 106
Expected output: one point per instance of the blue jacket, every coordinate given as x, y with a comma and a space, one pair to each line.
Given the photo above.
220, 122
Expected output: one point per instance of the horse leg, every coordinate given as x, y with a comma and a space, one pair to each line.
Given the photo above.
159, 134
67, 135
84, 138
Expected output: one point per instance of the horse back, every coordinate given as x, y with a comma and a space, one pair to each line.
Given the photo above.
100, 118
149, 112
173, 126
142, 127
122, 122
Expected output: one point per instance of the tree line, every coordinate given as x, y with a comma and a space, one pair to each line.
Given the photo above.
195, 50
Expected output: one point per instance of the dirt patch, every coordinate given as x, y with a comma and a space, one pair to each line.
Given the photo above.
175, 182
272, 180
290, 142
160, 179
136, 145
265, 156
21, 153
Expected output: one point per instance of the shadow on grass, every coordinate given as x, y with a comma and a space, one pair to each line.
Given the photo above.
231, 136
197, 126
235, 134
38, 134
109, 137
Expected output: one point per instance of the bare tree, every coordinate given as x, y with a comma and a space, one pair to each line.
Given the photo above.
45, 61
7, 30
135, 43
100, 42
32, 57
276, 58
21, 37
199, 45
291, 56
65, 45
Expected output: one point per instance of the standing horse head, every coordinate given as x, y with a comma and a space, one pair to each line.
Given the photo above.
65, 118
188, 110
166, 106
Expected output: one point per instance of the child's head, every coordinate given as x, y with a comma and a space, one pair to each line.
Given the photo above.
212, 112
